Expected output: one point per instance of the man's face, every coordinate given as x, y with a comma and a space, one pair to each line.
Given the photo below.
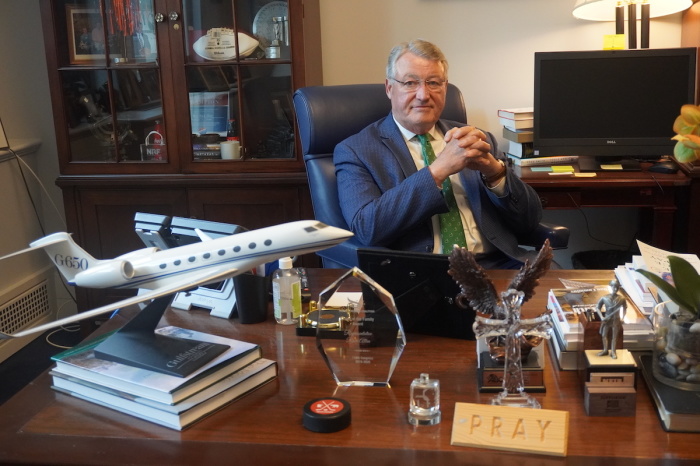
416, 110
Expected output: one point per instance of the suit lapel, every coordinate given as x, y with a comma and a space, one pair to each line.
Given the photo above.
393, 140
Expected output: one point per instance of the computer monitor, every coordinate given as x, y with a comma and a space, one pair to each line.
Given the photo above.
424, 293
611, 106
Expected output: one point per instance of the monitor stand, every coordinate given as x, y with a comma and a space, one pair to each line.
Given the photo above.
597, 164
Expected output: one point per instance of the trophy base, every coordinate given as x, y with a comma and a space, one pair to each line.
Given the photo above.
515, 400
593, 363
490, 374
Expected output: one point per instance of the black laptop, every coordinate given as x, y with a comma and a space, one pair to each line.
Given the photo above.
423, 291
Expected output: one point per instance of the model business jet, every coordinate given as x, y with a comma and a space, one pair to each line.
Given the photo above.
162, 272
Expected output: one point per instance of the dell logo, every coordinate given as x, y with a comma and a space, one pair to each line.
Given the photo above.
611, 142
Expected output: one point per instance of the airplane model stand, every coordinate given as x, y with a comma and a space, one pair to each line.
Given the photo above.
220, 301
136, 344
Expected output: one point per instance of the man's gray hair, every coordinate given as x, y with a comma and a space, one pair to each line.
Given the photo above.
419, 47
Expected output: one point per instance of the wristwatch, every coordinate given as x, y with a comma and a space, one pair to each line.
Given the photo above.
494, 178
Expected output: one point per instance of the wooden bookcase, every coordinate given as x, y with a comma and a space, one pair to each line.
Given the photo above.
120, 70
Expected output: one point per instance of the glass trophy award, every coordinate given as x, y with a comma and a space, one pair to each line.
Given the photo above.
361, 337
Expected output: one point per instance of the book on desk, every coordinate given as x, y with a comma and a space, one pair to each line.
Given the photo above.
179, 415
679, 410
174, 402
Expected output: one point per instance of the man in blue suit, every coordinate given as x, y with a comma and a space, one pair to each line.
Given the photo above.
389, 196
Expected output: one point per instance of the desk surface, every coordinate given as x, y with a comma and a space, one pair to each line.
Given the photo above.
643, 178
41, 426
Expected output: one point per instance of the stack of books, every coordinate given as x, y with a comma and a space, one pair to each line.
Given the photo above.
518, 124
637, 287
174, 402
567, 304
679, 410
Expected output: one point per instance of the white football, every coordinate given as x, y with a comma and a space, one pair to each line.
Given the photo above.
219, 44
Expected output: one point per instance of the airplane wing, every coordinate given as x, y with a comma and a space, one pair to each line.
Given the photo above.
193, 280
17, 253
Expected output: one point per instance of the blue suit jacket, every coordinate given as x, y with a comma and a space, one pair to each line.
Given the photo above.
387, 202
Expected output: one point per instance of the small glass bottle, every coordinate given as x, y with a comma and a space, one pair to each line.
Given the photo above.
425, 402
286, 293
158, 137
232, 131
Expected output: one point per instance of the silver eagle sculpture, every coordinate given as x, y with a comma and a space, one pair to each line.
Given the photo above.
478, 292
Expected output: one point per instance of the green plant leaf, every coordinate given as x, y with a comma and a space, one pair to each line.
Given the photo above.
687, 281
683, 153
667, 288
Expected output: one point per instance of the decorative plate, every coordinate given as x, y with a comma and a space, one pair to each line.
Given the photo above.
262, 23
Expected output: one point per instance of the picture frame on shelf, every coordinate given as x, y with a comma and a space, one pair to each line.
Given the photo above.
85, 34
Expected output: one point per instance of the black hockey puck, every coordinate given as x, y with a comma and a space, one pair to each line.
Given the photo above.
326, 415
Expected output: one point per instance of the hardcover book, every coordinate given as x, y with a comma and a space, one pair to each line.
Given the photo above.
522, 135
521, 149
179, 415
81, 363
566, 360
567, 306
574, 302
541, 161
679, 410
517, 113
516, 124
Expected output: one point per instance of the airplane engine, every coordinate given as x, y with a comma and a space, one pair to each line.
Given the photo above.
109, 274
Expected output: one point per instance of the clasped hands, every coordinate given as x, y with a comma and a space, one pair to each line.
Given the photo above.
465, 147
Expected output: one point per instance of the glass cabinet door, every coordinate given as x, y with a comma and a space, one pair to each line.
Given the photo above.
239, 79
111, 81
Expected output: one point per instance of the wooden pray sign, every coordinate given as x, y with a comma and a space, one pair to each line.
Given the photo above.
529, 430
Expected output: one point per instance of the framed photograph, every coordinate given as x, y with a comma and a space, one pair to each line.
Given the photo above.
86, 37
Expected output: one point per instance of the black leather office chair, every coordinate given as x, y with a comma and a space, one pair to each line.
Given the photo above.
327, 115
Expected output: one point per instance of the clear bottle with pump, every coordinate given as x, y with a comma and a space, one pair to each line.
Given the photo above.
286, 293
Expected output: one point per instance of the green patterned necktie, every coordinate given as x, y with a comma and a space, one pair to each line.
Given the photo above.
451, 228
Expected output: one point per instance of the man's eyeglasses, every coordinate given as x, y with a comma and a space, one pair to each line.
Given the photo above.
413, 85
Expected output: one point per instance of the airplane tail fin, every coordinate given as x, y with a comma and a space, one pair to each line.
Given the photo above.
66, 254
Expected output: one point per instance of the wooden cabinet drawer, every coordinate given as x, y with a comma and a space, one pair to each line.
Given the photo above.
565, 199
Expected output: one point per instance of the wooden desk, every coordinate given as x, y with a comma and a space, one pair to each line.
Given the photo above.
41, 426
655, 191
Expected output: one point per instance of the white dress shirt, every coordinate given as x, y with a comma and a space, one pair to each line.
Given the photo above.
476, 243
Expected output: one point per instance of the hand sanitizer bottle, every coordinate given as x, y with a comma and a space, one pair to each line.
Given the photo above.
425, 402
286, 293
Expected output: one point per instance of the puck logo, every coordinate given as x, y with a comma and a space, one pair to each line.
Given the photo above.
327, 407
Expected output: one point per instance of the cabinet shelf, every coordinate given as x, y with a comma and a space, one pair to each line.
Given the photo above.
111, 119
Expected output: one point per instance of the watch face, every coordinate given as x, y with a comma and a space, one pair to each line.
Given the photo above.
264, 27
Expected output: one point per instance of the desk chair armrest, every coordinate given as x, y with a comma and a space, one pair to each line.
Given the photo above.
342, 256
558, 236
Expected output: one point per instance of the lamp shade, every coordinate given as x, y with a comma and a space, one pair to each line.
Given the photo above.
604, 10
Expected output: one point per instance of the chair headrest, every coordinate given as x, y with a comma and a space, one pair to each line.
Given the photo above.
328, 114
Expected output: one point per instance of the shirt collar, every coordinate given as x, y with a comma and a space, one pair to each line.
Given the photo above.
408, 135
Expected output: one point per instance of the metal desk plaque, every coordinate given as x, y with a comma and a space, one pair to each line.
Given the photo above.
365, 345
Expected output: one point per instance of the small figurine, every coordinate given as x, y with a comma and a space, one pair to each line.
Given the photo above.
611, 320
